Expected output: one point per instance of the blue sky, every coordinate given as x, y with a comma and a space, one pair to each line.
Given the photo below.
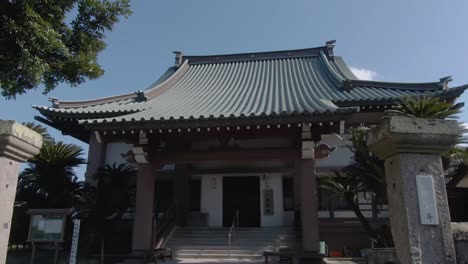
406, 41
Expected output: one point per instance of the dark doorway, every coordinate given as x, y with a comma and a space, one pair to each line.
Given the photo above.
243, 194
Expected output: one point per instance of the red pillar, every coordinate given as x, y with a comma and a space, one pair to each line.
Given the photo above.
143, 222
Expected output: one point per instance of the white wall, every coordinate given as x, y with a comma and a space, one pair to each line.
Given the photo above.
212, 199
114, 151
342, 155
275, 182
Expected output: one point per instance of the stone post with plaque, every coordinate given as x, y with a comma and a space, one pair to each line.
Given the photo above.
417, 198
17, 144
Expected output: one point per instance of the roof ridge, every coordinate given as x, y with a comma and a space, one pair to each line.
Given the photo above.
266, 55
442, 84
91, 102
160, 88
139, 95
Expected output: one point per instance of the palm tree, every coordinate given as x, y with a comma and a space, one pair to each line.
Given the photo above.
431, 108
50, 181
426, 107
113, 196
116, 189
455, 163
39, 129
366, 175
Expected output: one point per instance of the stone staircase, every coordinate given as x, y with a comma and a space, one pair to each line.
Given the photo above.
212, 243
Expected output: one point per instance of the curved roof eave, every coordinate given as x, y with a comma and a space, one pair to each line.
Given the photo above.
341, 113
90, 107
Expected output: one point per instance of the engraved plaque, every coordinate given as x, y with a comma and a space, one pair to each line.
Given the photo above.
268, 202
426, 200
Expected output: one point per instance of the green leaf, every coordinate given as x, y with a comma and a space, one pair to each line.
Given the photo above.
38, 46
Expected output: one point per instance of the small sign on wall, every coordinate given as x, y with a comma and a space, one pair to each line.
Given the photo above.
268, 204
426, 200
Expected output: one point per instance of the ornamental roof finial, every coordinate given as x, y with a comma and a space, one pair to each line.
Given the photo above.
330, 45
178, 58
443, 83
55, 102
140, 96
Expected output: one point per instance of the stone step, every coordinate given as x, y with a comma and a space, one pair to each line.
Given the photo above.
174, 244
265, 236
220, 256
225, 240
212, 243
235, 231
222, 247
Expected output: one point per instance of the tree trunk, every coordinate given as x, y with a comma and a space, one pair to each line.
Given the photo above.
365, 223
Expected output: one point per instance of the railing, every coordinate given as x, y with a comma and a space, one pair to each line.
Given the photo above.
163, 226
235, 223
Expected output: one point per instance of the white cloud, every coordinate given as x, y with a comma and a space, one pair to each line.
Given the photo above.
364, 74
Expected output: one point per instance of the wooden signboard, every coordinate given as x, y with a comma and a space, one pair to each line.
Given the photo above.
47, 226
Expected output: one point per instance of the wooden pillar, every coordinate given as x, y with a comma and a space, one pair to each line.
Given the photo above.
96, 158
297, 185
143, 222
181, 194
309, 206
308, 194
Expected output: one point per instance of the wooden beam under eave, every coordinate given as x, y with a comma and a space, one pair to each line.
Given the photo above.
283, 154
366, 118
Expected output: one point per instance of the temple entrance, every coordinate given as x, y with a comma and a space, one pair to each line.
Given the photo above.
243, 194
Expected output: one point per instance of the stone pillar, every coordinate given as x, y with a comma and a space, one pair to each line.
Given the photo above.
308, 199
417, 198
143, 222
17, 144
96, 158
181, 193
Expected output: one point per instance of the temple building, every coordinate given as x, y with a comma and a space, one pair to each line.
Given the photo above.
244, 136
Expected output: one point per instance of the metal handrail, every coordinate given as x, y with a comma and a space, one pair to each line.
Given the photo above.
235, 223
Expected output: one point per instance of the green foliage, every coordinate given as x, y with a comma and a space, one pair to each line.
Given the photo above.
116, 189
113, 196
431, 108
455, 163
50, 181
426, 107
39, 44
367, 168
366, 175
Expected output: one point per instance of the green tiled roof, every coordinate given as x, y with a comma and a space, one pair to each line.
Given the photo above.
285, 83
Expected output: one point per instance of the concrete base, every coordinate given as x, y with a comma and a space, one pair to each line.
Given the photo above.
460, 237
310, 258
382, 255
